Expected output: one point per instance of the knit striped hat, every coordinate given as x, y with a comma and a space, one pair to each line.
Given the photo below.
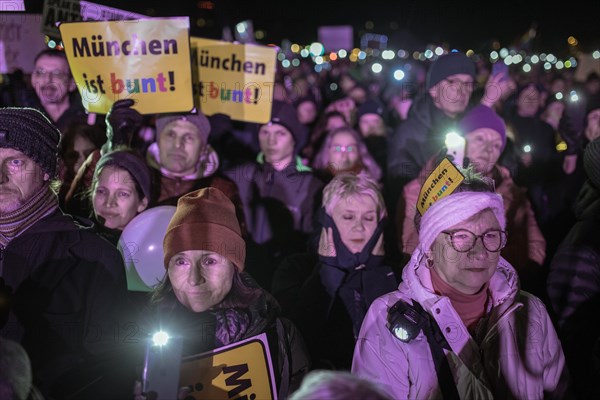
30, 132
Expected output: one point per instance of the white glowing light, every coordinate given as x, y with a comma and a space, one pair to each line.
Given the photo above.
317, 49
160, 338
388, 55
376, 67
399, 74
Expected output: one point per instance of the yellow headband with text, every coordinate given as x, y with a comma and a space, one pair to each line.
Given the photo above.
442, 181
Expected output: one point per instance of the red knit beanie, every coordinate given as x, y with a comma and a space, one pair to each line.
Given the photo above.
205, 220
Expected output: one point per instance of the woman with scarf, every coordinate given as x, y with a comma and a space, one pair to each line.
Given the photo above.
327, 293
459, 326
208, 299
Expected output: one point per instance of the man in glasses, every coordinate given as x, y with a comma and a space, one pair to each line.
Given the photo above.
448, 91
55, 89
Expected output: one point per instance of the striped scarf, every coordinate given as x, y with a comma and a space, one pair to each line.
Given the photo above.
16, 222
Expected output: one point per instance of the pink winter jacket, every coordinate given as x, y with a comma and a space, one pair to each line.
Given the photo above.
519, 354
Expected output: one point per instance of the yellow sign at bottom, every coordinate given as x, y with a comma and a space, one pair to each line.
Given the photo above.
241, 370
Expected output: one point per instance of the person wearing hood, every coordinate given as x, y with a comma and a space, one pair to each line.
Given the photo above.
328, 291
62, 287
279, 193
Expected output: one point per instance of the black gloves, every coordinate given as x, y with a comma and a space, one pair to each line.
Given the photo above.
122, 124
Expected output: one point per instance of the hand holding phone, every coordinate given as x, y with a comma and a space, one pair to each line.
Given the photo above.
499, 67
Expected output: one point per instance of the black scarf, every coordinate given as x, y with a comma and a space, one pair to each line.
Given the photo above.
357, 278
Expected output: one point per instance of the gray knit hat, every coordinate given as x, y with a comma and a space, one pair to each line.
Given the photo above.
30, 132
199, 120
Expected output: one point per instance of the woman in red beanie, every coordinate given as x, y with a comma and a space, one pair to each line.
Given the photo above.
208, 298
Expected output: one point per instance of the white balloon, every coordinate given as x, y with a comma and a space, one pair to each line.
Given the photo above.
141, 245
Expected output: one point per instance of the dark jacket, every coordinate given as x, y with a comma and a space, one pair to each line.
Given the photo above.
207, 331
276, 200
328, 297
416, 140
279, 207
68, 297
574, 289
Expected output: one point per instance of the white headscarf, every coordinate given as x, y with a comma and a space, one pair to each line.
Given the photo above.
456, 208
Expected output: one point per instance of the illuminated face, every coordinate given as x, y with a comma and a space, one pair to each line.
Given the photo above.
356, 219
52, 81
343, 152
277, 144
452, 95
180, 147
371, 124
592, 130
20, 179
115, 199
484, 146
200, 279
307, 112
466, 272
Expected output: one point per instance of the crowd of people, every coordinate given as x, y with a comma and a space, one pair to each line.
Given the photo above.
306, 228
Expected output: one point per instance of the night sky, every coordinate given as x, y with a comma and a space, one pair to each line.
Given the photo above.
409, 24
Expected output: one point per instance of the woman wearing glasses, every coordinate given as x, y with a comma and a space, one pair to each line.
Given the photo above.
344, 150
459, 326
485, 136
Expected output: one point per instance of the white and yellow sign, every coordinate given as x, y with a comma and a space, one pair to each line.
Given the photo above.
146, 60
235, 79
241, 370
442, 181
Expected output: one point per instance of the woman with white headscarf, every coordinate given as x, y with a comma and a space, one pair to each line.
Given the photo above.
459, 326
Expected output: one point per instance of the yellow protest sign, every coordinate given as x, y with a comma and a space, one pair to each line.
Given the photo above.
241, 370
147, 60
235, 79
442, 181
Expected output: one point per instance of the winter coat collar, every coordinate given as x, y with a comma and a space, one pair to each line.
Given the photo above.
504, 284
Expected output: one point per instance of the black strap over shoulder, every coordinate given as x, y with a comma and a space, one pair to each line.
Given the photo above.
405, 321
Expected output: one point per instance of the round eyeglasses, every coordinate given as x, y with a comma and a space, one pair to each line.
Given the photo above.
463, 240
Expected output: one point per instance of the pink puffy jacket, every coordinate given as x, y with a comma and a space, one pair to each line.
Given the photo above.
519, 354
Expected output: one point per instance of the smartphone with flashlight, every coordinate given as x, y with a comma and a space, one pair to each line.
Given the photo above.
162, 363
455, 145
